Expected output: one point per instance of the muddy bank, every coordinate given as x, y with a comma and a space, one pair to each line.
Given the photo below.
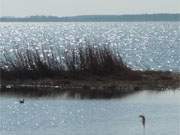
90, 87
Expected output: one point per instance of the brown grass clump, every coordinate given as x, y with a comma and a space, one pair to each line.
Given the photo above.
77, 62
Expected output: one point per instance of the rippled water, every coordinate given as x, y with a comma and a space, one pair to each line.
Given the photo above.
151, 45
142, 45
92, 117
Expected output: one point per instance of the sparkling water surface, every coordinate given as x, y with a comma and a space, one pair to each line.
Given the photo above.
143, 45
151, 45
92, 117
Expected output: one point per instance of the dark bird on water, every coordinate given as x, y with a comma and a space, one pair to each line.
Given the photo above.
143, 120
21, 101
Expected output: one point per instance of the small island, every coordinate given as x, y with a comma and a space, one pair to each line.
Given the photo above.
84, 72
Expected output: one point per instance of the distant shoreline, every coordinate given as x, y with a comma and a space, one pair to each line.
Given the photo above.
97, 18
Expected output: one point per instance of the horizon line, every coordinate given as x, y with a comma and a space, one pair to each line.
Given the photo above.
91, 15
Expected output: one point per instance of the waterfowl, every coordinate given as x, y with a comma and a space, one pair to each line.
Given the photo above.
143, 120
21, 101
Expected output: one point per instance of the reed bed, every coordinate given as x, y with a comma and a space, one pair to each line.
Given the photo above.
75, 63
86, 71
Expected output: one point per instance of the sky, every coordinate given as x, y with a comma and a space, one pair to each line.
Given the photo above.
86, 7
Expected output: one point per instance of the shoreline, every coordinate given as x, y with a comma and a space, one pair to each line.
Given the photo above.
87, 72
89, 88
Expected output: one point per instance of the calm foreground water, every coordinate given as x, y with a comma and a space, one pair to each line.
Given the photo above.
62, 116
143, 45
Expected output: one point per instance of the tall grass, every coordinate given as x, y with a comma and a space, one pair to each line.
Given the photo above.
77, 62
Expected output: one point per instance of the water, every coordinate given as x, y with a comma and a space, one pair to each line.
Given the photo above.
143, 45
151, 45
92, 117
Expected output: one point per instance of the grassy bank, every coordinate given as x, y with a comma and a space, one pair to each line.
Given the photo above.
93, 72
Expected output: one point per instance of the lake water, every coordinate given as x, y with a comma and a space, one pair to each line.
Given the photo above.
150, 45
61, 116
143, 45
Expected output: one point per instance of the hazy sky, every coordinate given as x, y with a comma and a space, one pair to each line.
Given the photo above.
84, 7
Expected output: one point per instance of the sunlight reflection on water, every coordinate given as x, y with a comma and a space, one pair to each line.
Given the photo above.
152, 45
